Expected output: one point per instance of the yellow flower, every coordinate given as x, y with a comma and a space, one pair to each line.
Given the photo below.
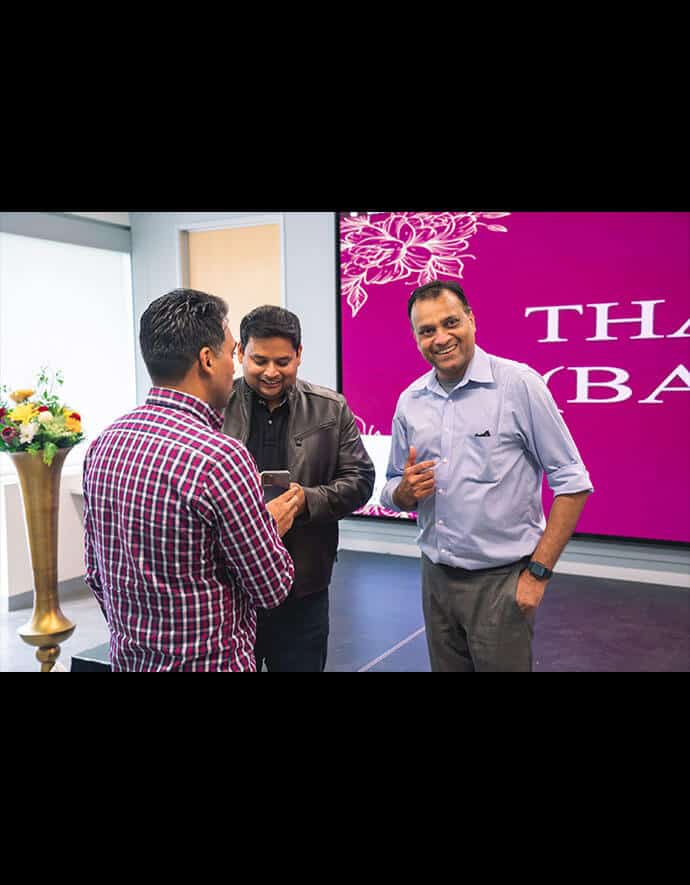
20, 395
23, 413
73, 425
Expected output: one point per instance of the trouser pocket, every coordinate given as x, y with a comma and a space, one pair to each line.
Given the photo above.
527, 617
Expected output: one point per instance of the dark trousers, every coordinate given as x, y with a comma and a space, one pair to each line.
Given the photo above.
473, 623
293, 638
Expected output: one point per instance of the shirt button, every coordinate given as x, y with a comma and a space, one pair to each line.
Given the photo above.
440, 522
269, 421
445, 460
440, 491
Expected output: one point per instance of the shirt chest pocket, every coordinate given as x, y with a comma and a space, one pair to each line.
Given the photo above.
479, 460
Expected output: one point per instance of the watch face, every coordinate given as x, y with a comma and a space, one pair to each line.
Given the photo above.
537, 570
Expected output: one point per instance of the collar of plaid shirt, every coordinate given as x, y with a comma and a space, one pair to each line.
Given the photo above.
166, 396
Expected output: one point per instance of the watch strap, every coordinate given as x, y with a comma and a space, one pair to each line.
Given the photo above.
539, 570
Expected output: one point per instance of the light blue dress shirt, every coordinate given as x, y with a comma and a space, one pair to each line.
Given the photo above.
486, 510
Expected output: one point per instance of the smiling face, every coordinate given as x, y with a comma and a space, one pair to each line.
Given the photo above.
270, 366
444, 334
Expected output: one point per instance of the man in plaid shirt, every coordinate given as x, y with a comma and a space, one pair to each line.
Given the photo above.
180, 548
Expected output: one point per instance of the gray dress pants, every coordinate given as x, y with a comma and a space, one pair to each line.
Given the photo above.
473, 623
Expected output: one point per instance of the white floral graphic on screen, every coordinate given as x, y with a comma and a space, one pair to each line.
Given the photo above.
366, 429
378, 510
421, 246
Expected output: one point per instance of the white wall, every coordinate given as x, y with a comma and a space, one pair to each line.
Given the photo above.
77, 291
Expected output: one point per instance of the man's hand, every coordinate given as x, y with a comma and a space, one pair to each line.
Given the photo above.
284, 508
417, 482
530, 591
301, 499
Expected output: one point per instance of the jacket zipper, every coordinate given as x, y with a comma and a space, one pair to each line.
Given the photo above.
322, 426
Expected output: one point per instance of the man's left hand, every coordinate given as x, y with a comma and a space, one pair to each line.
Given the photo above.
529, 592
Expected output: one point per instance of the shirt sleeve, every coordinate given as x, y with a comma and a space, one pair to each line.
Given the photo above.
396, 461
548, 439
91, 576
247, 533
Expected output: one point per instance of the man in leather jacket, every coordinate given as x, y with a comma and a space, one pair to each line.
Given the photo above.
309, 430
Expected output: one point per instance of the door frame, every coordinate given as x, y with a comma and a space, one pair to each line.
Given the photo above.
182, 242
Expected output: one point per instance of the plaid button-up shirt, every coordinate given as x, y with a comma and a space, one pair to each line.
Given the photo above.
179, 546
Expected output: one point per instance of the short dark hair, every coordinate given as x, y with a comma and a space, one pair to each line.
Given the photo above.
433, 290
269, 321
175, 327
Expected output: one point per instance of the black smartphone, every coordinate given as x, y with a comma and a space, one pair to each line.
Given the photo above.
274, 483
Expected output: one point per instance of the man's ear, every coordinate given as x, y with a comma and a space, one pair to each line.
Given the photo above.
299, 355
240, 353
205, 359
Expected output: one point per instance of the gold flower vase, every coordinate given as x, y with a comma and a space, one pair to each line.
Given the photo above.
40, 486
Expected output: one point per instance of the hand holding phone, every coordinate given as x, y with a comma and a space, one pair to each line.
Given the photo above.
284, 508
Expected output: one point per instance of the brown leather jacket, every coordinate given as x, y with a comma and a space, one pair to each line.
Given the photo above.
327, 458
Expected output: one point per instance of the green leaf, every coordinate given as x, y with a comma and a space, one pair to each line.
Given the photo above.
49, 453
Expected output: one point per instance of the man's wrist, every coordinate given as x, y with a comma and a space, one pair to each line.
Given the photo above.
400, 501
538, 570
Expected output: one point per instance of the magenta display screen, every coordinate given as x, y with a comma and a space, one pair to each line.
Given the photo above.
597, 302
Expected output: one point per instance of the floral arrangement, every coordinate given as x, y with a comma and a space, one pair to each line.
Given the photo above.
38, 421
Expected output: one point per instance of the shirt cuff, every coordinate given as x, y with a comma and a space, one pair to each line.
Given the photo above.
387, 494
570, 479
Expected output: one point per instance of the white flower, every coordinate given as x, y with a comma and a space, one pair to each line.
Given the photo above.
45, 417
27, 432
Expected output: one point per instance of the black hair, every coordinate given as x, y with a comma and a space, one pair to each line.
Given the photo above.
433, 290
269, 321
175, 327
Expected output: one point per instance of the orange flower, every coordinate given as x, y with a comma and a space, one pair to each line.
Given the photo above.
73, 424
20, 395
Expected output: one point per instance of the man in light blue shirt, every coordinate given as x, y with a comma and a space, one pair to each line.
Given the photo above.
472, 440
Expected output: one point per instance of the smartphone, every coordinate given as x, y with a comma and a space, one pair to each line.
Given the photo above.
274, 483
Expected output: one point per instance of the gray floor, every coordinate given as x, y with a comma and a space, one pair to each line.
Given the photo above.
583, 624
79, 606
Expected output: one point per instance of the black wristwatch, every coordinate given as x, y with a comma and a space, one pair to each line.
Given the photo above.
538, 570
